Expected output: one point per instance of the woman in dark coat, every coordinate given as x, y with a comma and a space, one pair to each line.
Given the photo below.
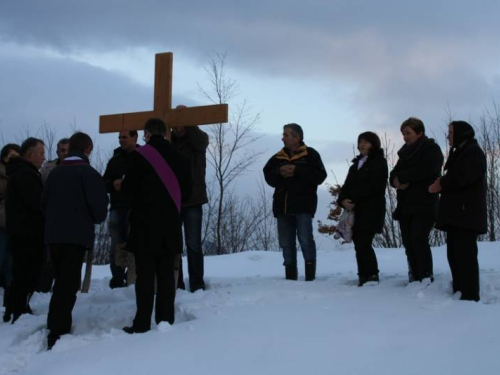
364, 192
419, 165
462, 209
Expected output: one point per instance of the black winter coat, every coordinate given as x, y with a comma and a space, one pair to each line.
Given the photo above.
23, 213
463, 198
155, 223
193, 146
297, 194
365, 187
419, 168
74, 200
115, 170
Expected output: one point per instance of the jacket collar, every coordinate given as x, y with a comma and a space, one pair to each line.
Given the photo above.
285, 154
372, 155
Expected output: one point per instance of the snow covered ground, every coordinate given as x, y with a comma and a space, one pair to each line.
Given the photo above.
252, 321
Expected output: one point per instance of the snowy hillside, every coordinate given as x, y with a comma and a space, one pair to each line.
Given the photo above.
252, 321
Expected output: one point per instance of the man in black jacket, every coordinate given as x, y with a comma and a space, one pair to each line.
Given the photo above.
119, 209
295, 173
46, 280
74, 200
191, 142
157, 179
25, 223
462, 208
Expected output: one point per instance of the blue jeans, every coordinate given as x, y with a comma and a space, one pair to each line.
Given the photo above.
192, 218
118, 228
289, 228
5, 260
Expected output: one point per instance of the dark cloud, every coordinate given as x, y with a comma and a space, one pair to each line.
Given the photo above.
399, 58
278, 36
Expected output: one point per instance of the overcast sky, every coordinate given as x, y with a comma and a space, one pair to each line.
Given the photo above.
336, 67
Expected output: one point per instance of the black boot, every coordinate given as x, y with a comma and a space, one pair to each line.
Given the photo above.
6, 303
131, 330
291, 272
361, 280
310, 271
366, 279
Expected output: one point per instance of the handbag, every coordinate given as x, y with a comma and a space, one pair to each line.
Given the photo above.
344, 226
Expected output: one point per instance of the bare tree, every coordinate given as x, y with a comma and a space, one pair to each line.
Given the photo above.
102, 241
228, 152
489, 139
48, 135
391, 233
264, 232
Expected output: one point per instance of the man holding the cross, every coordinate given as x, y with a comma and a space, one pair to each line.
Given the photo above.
192, 142
157, 179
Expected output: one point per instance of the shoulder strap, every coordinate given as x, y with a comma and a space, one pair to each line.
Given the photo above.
164, 172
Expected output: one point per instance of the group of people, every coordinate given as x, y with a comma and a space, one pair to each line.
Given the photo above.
156, 190
151, 190
454, 202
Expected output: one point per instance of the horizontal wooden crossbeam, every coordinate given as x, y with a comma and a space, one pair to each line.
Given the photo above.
189, 116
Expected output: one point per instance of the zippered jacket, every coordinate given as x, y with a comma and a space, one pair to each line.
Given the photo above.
297, 194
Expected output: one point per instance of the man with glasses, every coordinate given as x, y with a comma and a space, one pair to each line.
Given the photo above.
118, 214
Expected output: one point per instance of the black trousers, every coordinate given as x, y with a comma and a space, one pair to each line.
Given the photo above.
415, 231
27, 260
149, 268
365, 255
462, 258
44, 284
67, 261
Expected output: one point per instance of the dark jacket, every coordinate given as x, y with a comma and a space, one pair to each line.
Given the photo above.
463, 198
298, 194
3, 190
115, 170
23, 213
193, 146
365, 187
419, 165
155, 223
74, 200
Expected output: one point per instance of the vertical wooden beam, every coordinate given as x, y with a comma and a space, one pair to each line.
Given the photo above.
163, 82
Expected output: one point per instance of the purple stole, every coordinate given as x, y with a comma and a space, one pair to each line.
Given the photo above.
163, 170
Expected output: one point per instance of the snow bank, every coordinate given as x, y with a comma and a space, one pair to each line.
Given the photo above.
252, 321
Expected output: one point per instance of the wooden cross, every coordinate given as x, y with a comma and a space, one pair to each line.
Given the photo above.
189, 116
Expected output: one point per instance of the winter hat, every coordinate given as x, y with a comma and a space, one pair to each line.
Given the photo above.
372, 138
462, 131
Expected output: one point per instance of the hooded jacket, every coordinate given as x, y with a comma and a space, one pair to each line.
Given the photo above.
463, 195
